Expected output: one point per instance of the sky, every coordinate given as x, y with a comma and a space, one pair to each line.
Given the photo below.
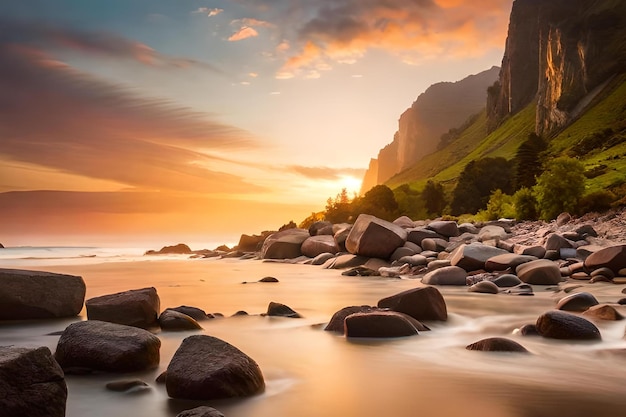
139, 120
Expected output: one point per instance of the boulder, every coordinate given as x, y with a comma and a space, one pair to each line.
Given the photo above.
252, 243
474, 256
174, 320
404, 222
341, 236
497, 344
507, 280
484, 287
374, 237
414, 260
612, 257
207, 368
557, 242
322, 258
336, 321
139, 308
317, 226
316, 245
416, 235
603, 312
539, 272
269, 280
529, 330
100, 346
537, 251
281, 310
285, 244
558, 324
193, 312
401, 252
202, 411
378, 324
448, 275
179, 249
468, 228
506, 261
577, 302
345, 261
446, 228
492, 232
422, 303
434, 244
31, 383
39, 295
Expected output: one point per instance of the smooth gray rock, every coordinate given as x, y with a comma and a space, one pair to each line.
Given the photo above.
139, 308
378, 324
316, 245
474, 256
577, 302
539, 272
207, 368
484, 287
558, 324
612, 257
100, 346
286, 244
194, 312
507, 280
446, 228
174, 320
448, 275
422, 303
32, 383
507, 261
39, 295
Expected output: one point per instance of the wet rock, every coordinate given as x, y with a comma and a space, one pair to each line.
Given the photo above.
394, 271
378, 324
497, 344
577, 302
613, 258
31, 383
240, 313
316, 245
414, 260
603, 312
345, 261
139, 308
529, 330
600, 278
474, 256
126, 385
207, 368
268, 279
448, 275
521, 289
604, 271
445, 228
507, 260
281, 310
202, 411
336, 322
174, 320
374, 237
507, 280
401, 252
540, 272
360, 271
322, 258
285, 244
558, 324
435, 245
39, 295
423, 303
194, 312
418, 234
100, 346
484, 287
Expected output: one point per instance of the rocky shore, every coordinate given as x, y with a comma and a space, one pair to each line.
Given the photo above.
502, 258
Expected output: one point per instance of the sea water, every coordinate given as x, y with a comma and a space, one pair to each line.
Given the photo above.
310, 372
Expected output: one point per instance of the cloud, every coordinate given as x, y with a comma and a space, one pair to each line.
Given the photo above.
43, 36
251, 22
54, 116
325, 173
243, 33
209, 12
343, 31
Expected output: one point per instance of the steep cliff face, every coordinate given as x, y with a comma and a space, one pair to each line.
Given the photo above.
557, 52
441, 107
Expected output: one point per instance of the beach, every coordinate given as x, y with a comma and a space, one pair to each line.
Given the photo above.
309, 371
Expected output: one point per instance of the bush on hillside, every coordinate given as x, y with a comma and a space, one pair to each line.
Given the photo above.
560, 187
525, 204
598, 201
434, 198
379, 202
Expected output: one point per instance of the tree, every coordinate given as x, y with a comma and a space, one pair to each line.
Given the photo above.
560, 187
527, 160
379, 202
477, 181
340, 209
525, 204
434, 198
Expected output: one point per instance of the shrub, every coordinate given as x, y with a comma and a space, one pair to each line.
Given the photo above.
434, 198
560, 187
597, 201
525, 204
500, 205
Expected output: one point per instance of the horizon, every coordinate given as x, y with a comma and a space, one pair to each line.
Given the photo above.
144, 120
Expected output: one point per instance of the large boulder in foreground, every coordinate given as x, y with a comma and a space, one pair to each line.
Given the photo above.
39, 295
139, 308
316, 245
423, 303
108, 347
374, 237
558, 324
473, 257
31, 383
613, 257
336, 323
539, 272
207, 368
379, 324
286, 244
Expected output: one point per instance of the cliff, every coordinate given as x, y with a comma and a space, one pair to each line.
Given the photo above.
558, 52
441, 107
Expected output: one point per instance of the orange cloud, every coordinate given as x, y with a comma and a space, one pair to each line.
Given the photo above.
343, 31
243, 33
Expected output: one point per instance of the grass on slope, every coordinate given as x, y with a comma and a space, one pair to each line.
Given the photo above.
446, 165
